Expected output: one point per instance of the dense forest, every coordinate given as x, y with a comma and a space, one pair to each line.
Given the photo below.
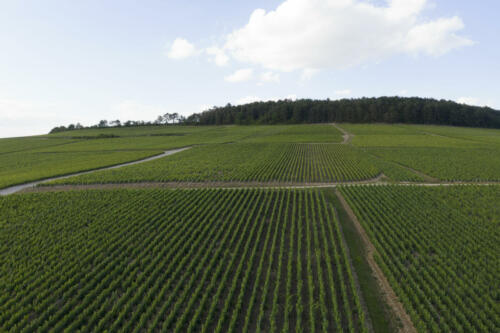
364, 110
412, 110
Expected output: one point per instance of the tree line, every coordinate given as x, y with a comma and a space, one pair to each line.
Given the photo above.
413, 110
165, 119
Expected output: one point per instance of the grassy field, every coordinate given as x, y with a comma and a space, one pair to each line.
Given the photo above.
176, 260
439, 249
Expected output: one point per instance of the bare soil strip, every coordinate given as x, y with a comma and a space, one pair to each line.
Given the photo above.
354, 274
32, 185
232, 185
425, 177
348, 138
52, 188
346, 135
391, 298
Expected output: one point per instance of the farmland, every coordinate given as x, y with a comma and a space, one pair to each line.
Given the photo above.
195, 260
439, 249
247, 162
33, 158
18, 168
302, 228
446, 153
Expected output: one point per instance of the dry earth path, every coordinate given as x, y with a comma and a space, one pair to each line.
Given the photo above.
389, 294
32, 185
346, 135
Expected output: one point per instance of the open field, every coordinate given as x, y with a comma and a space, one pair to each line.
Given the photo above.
439, 249
189, 135
19, 168
247, 162
449, 164
209, 260
305, 228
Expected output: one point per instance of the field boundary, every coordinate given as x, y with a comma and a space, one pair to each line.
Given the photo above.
387, 291
346, 135
32, 185
235, 185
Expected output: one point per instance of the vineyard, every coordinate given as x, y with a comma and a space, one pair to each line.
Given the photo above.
33, 158
175, 260
439, 249
22, 167
248, 162
289, 228
451, 164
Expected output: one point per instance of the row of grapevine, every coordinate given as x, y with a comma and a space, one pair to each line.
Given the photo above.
247, 162
481, 163
175, 260
439, 251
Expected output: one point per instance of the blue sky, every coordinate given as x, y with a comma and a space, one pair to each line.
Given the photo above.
64, 62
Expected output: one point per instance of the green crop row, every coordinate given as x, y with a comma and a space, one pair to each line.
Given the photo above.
439, 250
175, 260
23, 167
247, 162
451, 164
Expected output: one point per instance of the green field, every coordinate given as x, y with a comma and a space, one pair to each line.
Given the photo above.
176, 260
19, 168
33, 158
281, 253
439, 249
263, 162
446, 153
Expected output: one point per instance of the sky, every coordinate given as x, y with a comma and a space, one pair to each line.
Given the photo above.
65, 62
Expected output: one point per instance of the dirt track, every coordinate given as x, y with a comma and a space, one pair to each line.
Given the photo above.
378, 181
32, 185
346, 135
389, 294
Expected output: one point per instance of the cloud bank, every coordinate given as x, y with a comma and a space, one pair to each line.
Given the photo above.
309, 35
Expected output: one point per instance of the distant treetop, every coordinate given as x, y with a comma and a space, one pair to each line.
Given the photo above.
413, 110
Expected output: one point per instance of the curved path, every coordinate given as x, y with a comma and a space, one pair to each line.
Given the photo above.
346, 135
32, 185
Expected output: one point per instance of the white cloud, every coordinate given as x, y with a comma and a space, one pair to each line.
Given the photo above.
469, 101
204, 107
436, 38
181, 49
270, 77
240, 75
220, 57
247, 99
318, 34
251, 99
343, 92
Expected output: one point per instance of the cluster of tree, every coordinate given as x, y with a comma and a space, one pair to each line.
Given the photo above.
167, 118
412, 110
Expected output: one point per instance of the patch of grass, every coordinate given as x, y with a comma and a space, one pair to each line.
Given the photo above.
379, 312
